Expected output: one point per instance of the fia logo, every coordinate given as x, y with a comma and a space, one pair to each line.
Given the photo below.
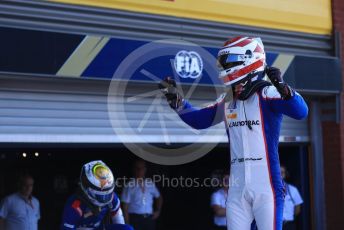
188, 64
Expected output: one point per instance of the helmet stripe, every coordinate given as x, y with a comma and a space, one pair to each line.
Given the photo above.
232, 43
231, 40
243, 71
242, 43
258, 49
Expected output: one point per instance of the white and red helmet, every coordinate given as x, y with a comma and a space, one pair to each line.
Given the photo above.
241, 58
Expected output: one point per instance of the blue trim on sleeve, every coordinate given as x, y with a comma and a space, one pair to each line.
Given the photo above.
204, 117
295, 107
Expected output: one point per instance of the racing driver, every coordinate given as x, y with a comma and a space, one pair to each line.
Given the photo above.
252, 115
95, 206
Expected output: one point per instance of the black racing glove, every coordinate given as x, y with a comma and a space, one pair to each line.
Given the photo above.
283, 88
168, 87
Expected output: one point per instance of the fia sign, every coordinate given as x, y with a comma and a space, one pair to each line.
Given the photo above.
188, 64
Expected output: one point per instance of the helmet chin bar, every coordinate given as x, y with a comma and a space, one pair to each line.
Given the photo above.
248, 79
250, 86
93, 200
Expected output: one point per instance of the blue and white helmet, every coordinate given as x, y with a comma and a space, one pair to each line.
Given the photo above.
97, 183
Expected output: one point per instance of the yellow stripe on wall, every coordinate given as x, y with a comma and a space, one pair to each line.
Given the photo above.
310, 16
82, 56
283, 61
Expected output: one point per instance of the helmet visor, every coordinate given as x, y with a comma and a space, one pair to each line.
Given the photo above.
102, 197
227, 61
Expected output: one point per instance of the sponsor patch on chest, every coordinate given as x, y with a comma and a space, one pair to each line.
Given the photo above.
243, 123
232, 116
241, 114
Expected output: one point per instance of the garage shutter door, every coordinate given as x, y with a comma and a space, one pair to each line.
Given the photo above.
52, 110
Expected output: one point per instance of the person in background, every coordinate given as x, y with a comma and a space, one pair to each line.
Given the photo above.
218, 203
141, 200
95, 206
292, 203
20, 211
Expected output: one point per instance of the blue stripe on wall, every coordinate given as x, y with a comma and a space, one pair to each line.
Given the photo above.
108, 60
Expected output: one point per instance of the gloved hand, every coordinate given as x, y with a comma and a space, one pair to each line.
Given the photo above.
283, 88
168, 87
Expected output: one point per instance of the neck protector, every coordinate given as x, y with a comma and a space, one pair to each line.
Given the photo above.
251, 87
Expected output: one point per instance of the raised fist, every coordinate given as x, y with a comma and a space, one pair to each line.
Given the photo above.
283, 88
168, 87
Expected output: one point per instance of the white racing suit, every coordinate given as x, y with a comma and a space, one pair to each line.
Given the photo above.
253, 126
